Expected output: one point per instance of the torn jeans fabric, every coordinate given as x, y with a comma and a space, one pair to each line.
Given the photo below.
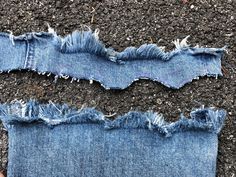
55, 140
81, 55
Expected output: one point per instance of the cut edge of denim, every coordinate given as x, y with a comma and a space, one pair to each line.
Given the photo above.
52, 114
104, 85
87, 41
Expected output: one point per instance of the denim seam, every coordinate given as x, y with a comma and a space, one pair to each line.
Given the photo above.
29, 59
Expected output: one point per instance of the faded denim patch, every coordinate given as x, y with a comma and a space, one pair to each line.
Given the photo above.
81, 55
58, 140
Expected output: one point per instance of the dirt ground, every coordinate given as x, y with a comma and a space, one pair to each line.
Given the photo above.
124, 23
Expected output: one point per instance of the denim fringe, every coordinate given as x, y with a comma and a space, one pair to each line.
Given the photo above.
88, 42
51, 114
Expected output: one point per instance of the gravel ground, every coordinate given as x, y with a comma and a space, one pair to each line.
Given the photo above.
123, 23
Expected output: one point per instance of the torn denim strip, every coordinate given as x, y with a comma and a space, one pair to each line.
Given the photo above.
58, 140
81, 55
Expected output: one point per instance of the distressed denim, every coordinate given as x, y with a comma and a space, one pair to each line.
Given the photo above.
55, 140
81, 55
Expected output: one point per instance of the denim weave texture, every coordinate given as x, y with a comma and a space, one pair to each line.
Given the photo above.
80, 55
56, 140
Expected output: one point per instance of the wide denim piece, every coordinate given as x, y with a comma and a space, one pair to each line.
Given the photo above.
55, 140
81, 55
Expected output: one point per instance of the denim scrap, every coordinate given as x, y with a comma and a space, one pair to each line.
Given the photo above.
81, 55
59, 140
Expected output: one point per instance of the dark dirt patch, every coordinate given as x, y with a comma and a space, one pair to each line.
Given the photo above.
125, 23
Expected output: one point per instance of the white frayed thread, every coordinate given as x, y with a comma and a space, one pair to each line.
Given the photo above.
90, 81
181, 44
51, 121
51, 30
110, 115
96, 32
158, 120
73, 79
149, 124
198, 109
17, 101
23, 107
85, 27
225, 48
55, 78
64, 76
50, 102
65, 42
162, 48
11, 37
82, 107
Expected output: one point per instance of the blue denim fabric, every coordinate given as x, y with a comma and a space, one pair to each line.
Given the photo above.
54, 140
81, 55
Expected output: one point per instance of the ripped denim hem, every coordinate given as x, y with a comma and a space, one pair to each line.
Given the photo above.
81, 55
58, 140
51, 114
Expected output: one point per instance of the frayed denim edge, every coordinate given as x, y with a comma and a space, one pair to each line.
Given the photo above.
51, 114
88, 42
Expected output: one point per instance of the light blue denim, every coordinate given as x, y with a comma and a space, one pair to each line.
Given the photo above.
53, 140
81, 55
